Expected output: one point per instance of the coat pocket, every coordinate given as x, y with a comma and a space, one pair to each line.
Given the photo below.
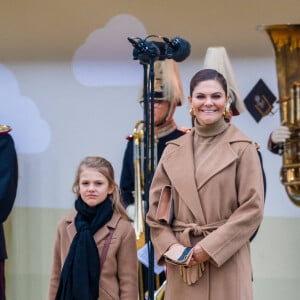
165, 209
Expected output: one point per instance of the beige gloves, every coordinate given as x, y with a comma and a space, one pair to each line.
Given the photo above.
181, 256
191, 274
280, 134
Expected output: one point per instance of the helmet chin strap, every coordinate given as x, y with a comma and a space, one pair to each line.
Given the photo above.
168, 120
171, 111
169, 116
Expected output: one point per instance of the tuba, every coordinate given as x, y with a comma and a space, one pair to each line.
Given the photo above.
286, 43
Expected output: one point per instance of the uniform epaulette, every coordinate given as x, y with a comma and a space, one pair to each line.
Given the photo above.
257, 146
5, 129
129, 137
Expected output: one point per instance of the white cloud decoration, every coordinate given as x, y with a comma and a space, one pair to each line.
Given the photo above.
105, 59
31, 133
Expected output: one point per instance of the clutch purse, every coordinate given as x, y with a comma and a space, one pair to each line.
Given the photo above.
179, 255
165, 209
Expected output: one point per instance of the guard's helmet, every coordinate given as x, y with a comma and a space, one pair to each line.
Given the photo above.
167, 84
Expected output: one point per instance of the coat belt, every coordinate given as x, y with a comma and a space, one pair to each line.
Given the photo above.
195, 229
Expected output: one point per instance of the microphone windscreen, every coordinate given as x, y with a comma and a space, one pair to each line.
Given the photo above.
179, 49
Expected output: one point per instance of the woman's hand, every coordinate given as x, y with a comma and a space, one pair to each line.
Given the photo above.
199, 255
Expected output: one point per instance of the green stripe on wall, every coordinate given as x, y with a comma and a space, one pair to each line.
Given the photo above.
29, 236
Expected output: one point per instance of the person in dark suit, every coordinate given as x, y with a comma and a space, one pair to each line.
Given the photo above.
8, 190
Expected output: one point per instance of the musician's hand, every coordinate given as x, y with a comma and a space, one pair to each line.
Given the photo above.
280, 134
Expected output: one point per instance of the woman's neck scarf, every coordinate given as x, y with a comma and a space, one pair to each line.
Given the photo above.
80, 274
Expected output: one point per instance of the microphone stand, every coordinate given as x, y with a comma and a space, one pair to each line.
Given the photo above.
148, 52
149, 163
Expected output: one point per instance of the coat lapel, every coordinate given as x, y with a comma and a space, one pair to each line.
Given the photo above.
100, 234
180, 168
104, 231
217, 160
71, 225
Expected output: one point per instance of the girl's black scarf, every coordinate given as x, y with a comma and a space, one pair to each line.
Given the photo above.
80, 274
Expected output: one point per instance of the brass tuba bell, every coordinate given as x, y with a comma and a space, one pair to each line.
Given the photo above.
286, 43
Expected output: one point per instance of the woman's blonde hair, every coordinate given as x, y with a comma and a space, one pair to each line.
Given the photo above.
104, 167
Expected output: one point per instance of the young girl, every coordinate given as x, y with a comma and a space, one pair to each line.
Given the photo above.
95, 254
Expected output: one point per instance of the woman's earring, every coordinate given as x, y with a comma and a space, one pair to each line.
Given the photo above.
191, 112
227, 112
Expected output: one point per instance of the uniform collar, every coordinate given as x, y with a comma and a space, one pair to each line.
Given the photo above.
166, 128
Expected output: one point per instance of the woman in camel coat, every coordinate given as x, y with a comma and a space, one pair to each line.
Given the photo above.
217, 189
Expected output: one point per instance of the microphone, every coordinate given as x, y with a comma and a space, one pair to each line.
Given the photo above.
144, 48
134, 43
177, 48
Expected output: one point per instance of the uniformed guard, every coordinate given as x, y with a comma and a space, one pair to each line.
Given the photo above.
8, 189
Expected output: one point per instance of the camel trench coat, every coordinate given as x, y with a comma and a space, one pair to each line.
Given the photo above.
119, 276
228, 202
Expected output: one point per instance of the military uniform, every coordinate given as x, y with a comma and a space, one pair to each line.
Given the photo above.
8, 188
127, 174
